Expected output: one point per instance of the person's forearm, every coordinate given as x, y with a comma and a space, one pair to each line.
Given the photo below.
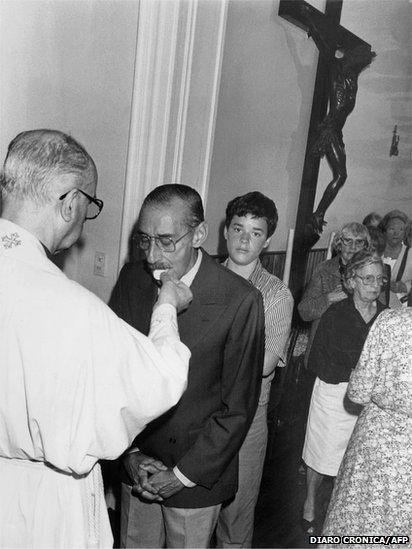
313, 306
163, 324
164, 335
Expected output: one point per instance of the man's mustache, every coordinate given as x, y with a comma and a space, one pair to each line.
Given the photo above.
159, 266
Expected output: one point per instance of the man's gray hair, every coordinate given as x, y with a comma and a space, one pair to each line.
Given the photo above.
36, 159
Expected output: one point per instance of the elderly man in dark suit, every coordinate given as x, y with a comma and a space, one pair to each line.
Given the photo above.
185, 464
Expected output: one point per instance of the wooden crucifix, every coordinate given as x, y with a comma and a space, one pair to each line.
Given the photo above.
342, 57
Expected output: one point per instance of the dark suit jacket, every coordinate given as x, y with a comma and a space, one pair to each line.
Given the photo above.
224, 330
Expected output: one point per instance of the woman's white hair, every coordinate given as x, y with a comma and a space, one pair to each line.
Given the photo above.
355, 229
356, 262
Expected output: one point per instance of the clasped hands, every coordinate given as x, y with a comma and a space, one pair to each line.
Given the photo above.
152, 480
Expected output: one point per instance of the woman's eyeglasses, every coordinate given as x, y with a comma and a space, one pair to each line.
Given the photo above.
370, 280
359, 243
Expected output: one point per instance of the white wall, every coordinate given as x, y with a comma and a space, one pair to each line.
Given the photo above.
377, 182
265, 100
68, 65
262, 118
178, 59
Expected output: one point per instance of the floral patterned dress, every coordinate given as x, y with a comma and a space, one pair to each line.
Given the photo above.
373, 490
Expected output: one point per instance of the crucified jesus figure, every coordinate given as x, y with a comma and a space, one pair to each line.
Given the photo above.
345, 66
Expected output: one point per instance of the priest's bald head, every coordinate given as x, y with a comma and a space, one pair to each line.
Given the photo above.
48, 186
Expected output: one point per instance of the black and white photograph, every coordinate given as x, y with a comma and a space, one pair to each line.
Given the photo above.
205, 274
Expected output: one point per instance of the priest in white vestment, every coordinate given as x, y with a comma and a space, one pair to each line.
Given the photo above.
77, 384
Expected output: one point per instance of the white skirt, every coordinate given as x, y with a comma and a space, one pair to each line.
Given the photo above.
328, 429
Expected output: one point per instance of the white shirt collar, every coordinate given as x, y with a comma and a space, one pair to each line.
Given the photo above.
190, 275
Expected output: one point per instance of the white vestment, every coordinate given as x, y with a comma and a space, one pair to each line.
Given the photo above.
77, 384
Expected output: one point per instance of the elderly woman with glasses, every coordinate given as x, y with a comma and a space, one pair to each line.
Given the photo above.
335, 352
325, 286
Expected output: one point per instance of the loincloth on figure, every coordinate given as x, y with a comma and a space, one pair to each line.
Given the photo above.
328, 134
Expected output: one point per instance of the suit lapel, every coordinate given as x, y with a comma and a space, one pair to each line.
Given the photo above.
209, 302
144, 300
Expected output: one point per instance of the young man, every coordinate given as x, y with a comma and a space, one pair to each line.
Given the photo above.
250, 223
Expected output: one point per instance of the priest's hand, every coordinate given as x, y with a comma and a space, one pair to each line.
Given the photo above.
166, 483
174, 291
139, 467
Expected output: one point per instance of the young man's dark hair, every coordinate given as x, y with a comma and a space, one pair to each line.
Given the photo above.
255, 204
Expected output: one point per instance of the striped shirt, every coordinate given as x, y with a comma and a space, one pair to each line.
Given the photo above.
278, 307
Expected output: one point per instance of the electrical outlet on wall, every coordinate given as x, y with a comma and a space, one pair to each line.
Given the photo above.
99, 268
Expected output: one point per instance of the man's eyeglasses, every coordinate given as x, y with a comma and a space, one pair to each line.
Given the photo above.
164, 243
359, 242
370, 280
94, 207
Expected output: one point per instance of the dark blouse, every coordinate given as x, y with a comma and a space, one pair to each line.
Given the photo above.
339, 341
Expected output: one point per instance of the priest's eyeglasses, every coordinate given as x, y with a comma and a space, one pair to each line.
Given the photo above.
94, 207
370, 280
164, 243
